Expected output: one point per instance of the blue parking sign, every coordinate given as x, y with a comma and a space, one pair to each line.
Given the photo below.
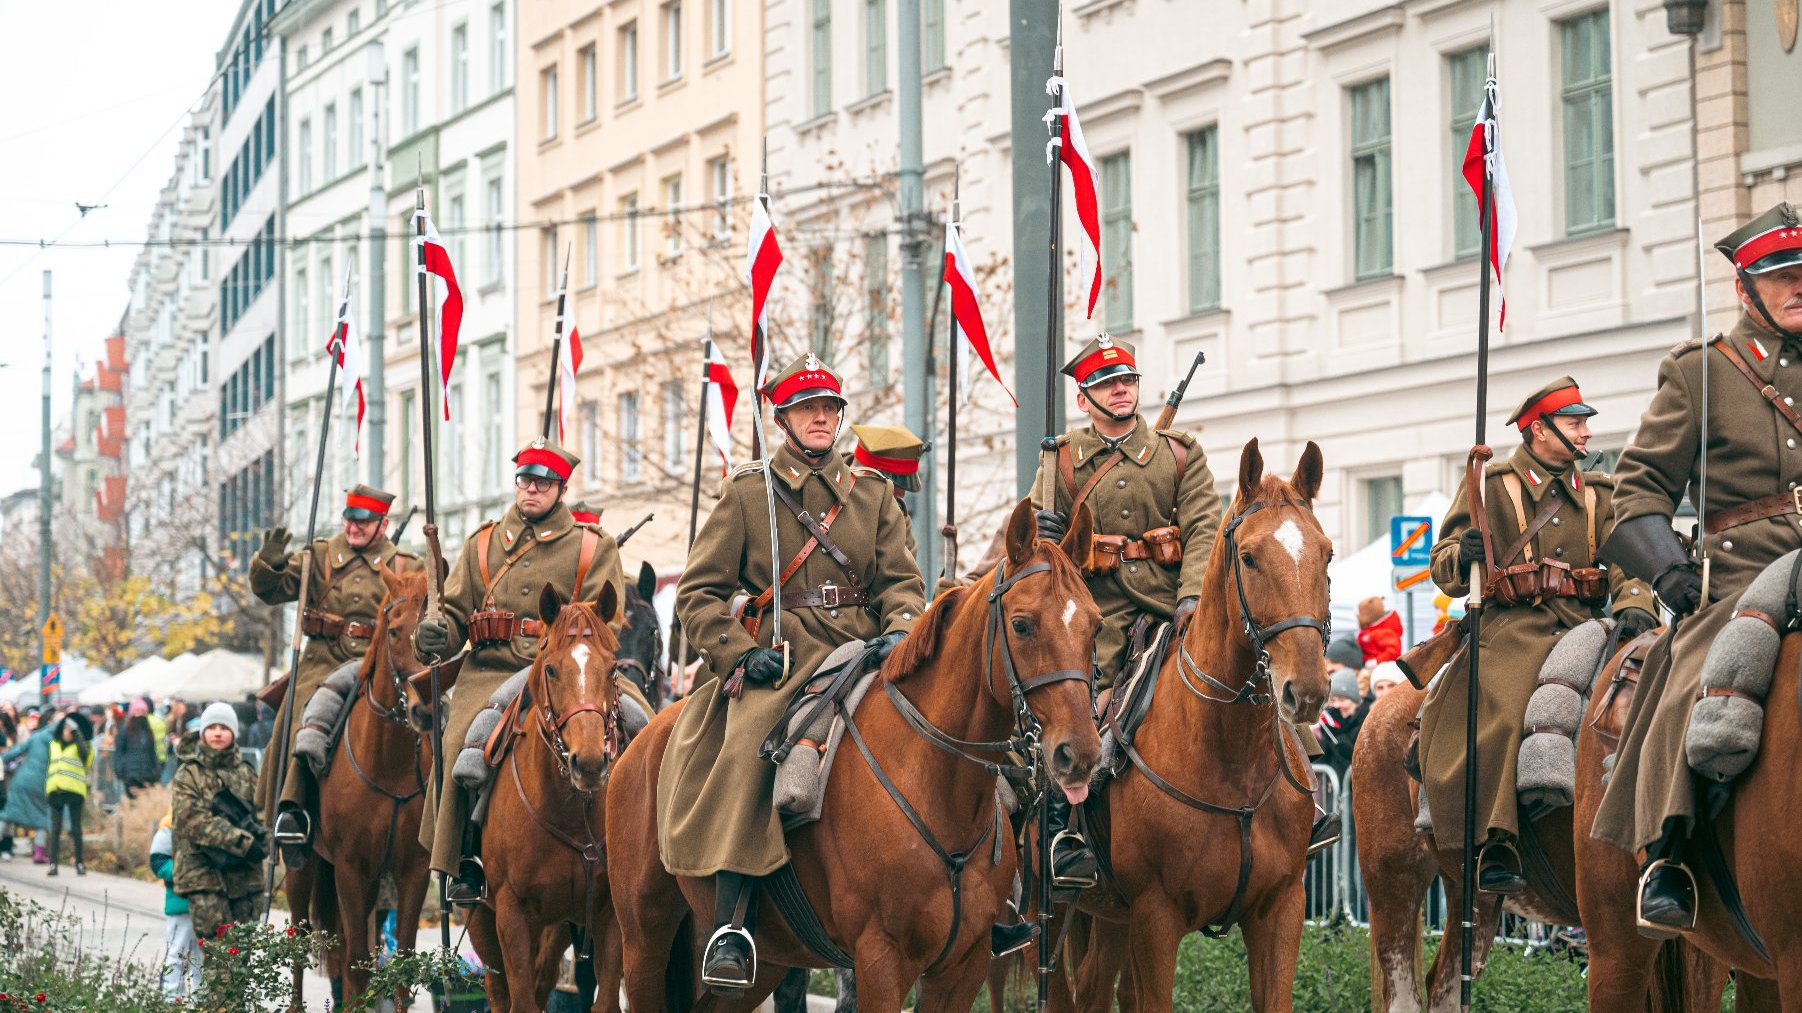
1410, 541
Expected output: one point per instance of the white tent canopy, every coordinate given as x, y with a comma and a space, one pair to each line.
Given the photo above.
77, 675
1366, 572
215, 675
132, 682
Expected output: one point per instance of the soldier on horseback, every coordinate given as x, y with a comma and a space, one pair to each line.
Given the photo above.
1543, 521
716, 816
1751, 515
492, 598
346, 595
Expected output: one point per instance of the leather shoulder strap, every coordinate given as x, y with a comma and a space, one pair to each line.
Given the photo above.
1066, 472
1765, 390
763, 599
591, 543
481, 547
1180, 451
322, 564
821, 532
1589, 516
1524, 545
1113, 457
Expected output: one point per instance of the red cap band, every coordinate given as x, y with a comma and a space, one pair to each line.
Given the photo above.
585, 516
541, 456
1113, 355
370, 503
1763, 245
892, 465
804, 380
1557, 399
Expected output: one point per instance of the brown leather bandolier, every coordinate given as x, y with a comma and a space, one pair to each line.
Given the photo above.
1782, 504
497, 626
1163, 545
319, 624
827, 595
1531, 582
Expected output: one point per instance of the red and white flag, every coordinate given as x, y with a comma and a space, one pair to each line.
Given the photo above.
1085, 187
344, 347
762, 257
567, 364
966, 311
1485, 151
722, 398
436, 262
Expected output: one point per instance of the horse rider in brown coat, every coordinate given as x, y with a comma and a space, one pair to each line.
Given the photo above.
491, 598
1752, 515
1546, 519
346, 594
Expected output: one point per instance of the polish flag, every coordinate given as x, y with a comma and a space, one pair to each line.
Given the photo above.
966, 312
722, 397
1085, 185
348, 351
1485, 151
567, 364
762, 257
435, 260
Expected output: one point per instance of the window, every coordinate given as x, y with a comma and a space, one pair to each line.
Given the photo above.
328, 305
631, 447
303, 314
492, 447
820, 329
719, 27
356, 151
491, 213
409, 91
459, 67
628, 61
1116, 241
672, 41
588, 416
453, 444
675, 424
1588, 123
406, 446
590, 87
1382, 500
300, 63
303, 155
672, 203
932, 35
628, 223
719, 182
1466, 72
354, 23
1204, 219
330, 142
547, 82
325, 42
1373, 239
875, 46
591, 250
822, 57
875, 287
497, 47
456, 218
547, 240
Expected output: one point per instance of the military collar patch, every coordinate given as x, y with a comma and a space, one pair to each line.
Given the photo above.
507, 536
338, 560
1532, 477
792, 473
1756, 347
1144, 452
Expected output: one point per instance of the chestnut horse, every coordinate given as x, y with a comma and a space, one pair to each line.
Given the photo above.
1210, 819
872, 870
1757, 841
547, 869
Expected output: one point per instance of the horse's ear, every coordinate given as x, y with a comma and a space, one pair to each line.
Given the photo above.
1022, 531
1251, 470
607, 606
1079, 539
1308, 472
549, 604
390, 579
647, 581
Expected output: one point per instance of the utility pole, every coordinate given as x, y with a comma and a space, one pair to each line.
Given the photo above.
917, 385
1032, 37
375, 395
44, 498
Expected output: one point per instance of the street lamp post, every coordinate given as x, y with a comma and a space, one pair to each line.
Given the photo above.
374, 382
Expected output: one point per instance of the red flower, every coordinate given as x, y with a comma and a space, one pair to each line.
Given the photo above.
39, 997
224, 927
292, 932
233, 950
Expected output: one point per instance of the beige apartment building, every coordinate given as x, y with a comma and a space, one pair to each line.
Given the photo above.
639, 129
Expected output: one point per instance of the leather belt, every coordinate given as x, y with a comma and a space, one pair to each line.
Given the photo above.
1783, 504
325, 626
827, 595
494, 626
1568, 589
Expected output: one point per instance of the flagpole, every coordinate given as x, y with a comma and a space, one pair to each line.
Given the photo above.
769, 488
279, 785
678, 642
949, 531
1054, 316
550, 387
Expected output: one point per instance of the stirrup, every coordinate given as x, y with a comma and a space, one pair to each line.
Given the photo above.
1658, 930
1073, 841
1516, 866
1330, 828
722, 985
294, 838
469, 886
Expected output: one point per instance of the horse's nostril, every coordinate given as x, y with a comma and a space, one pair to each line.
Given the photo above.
1063, 757
1289, 703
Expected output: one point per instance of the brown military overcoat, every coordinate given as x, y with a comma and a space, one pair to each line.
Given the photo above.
1753, 453
543, 552
1515, 640
346, 585
1136, 495
714, 794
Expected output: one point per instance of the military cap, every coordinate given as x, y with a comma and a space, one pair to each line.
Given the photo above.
1560, 397
583, 513
1103, 358
545, 458
1772, 240
893, 450
366, 502
805, 377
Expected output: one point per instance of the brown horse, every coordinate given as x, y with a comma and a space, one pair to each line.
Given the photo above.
872, 870
1759, 845
1210, 819
547, 869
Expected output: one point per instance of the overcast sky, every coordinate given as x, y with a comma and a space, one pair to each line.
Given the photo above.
96, 94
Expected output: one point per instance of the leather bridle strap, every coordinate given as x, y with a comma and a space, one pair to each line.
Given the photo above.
1261, 635
995, 633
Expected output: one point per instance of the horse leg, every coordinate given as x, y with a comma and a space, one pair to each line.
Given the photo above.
953, 988
1754, 995
1621, 961
356, 904
881, 983
483, 937
297, 886
547, 961
1272, 934
791, 995
1157, 929
410, 884
518, 942
608, 965
1397, 890
999, 972
1104, 954
1443, 979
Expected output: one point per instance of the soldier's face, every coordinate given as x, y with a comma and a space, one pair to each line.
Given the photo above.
813, 423
536, 496
1119, 395
361, 533
1781, 291
1550, 449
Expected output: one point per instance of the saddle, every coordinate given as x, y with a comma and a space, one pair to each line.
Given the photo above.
1149, 642
804, 743
501, 723
324, 717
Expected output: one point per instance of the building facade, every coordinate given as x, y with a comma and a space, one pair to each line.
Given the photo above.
91, 462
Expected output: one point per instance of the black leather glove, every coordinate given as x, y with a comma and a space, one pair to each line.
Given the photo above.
1184, 609
1052, 525
257, 851
432, 637
274, 552
1680, 588
1470, 548
1633, 621
762, 665
885, 643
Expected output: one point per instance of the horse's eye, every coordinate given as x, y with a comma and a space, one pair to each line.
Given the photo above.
1022, 626
1250, 563
550, 671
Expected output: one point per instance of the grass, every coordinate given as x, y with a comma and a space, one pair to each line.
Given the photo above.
124, 845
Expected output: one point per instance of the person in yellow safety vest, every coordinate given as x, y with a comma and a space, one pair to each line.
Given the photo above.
66, 786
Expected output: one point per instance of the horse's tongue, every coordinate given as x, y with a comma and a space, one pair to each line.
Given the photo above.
1076, 794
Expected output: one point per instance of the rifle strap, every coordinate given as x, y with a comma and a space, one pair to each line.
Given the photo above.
591, 543
1067, 470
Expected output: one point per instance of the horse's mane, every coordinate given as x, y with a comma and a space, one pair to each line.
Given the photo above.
566, 618
922, 643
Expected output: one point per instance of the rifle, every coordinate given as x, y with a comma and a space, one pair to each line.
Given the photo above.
1167, 417
404, 521
620, 539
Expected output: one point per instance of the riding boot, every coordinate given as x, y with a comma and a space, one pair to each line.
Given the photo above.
1012, 935
1328, 826
1498, 868
1072, 863
469, 886
293, 835
729, 965
1667, 889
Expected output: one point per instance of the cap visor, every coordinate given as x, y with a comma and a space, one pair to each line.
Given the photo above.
359, 514
1575, 408
538, 471
1775, 261
1107, 373
812, 392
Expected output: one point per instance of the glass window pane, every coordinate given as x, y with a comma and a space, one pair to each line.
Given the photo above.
1116, 241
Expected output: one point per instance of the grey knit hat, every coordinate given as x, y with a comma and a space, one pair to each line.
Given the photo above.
1345, 651
1345, 684
219, 713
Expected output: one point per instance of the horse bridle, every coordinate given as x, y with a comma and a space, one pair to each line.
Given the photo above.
551, 722
397, 714
651, 672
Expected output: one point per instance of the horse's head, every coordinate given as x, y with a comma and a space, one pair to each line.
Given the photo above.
403, 605
572, 687
1269, 574
641, 642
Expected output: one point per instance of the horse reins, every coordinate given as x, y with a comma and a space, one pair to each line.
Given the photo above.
396, 715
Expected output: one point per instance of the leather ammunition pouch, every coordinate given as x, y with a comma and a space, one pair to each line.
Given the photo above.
494, 626
319, 624
1532, 583
1105, 554
1166, 544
